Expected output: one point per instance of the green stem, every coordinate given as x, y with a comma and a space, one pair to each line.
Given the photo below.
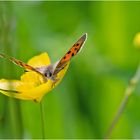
42, 119
128, 92
15, 118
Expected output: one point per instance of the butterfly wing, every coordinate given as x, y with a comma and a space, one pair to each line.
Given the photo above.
20, 63
72, 52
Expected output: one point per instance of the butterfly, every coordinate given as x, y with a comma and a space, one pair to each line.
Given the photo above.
51, 71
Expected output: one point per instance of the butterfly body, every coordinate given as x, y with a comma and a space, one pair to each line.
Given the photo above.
51, 71
48, 71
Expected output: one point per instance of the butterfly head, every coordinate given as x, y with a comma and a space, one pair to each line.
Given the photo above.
48, 73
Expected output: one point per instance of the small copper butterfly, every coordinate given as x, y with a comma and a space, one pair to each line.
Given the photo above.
51, 71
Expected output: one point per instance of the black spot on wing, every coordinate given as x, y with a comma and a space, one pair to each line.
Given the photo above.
77, 44
68, 52
72, 54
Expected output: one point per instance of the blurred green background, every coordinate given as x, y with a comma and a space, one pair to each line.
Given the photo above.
85, 102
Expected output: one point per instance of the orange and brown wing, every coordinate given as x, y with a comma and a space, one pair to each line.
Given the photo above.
20, 63
72, 52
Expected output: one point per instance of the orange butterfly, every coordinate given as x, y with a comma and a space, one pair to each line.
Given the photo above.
51, 71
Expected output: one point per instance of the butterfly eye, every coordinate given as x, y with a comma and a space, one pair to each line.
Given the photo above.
46, 74
50, 74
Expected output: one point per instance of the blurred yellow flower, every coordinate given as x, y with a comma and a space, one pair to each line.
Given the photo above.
136, 40
31, 85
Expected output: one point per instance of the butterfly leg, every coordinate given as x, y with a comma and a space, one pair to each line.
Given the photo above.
54, 82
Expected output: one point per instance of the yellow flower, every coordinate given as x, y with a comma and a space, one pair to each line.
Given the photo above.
31, 85
136, 40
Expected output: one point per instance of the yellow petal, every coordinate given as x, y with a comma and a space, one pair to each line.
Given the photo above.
40, 60
10, 85
29, 80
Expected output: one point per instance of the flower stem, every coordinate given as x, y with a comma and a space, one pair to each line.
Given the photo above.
128, 92
42, 119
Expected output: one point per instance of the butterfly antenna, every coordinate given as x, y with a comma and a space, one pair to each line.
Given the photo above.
6, 57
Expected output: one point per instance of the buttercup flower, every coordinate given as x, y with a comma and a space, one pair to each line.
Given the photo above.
31, 85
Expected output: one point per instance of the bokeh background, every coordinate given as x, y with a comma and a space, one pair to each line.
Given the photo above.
85, 102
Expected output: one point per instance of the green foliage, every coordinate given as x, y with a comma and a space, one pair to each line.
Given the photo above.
84, 104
